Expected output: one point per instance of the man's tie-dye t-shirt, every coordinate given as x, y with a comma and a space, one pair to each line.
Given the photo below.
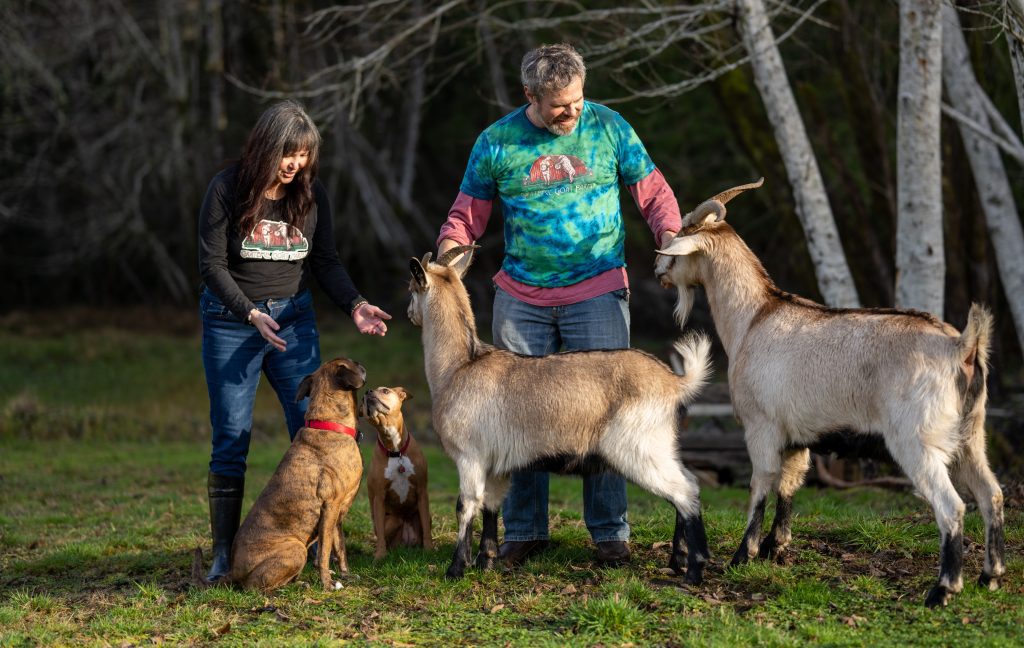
559, 194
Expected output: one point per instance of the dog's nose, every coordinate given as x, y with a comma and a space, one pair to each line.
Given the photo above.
378, 405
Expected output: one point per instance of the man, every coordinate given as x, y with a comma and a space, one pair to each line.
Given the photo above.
556, 164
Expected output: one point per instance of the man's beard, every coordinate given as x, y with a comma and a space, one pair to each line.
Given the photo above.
562, 128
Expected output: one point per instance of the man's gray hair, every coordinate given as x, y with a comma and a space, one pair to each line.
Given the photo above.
551, 68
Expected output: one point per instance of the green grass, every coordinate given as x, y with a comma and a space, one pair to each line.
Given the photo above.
103, 451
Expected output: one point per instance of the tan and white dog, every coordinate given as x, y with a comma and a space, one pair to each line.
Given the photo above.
397, 481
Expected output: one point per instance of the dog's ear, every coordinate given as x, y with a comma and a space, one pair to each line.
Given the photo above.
304, 388
350, 378
404, 395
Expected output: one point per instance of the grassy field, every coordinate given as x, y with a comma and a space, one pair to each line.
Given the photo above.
103, 450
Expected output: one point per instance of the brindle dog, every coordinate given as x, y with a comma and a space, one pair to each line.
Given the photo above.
309, 493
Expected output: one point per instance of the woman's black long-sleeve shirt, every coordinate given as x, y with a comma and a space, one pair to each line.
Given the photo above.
272, 261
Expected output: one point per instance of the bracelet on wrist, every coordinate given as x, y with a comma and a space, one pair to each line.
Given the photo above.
356, 306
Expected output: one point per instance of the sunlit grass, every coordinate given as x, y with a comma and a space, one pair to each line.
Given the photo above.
103, 499
875, 534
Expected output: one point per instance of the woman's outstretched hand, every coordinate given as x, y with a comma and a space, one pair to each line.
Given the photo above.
370, 320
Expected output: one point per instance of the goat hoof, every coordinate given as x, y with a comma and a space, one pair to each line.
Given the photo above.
771, 549
675, 563
989, 582
741, 557
485, 561
694, 576
938, 595
454, 572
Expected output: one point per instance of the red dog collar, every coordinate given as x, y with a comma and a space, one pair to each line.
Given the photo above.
401, 451
333, 427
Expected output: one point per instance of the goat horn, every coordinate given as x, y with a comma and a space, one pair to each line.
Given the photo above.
426, 259
703, 210
447, 257
729, 194
716, 204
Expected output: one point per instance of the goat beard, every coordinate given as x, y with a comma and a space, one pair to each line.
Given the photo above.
684, 304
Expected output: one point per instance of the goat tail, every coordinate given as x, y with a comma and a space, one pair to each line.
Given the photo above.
973, 354
974, 341
695, 350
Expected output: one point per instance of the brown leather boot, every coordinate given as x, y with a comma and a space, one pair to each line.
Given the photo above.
515, 552
612, 553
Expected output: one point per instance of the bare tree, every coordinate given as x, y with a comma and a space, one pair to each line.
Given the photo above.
102, 98
214, 68
1014, 29
994, 189
812, 206
920, 258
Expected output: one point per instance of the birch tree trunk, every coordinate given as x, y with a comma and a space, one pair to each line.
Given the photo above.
1015, 39
989, 175
812, 206
920, 258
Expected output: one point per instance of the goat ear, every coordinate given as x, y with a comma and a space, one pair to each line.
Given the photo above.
464, 263
304, 388
418, 273
684, 245
404, 395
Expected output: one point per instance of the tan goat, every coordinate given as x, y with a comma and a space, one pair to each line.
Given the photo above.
801, 374
495, 412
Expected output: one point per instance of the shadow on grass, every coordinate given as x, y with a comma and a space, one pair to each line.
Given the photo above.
80, 570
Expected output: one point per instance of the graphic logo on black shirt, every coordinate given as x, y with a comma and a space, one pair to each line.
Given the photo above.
274, 241
557, 169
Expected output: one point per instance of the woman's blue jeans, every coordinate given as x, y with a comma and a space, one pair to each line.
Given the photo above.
601, 322
234, 357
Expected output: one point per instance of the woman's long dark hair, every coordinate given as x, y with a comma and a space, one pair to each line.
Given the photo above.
282, 129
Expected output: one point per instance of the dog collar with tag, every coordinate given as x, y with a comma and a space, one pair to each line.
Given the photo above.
401, 451
333, 427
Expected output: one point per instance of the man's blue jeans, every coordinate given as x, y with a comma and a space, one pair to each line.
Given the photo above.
234, 356
598, 323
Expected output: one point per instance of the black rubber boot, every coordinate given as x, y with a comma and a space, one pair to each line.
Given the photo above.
225, 495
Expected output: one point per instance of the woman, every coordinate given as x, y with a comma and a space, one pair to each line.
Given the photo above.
264, 227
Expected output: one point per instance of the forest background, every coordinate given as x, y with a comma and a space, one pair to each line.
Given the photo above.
116, 113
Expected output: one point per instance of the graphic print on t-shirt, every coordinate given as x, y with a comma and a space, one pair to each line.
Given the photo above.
274, 241
556, 169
